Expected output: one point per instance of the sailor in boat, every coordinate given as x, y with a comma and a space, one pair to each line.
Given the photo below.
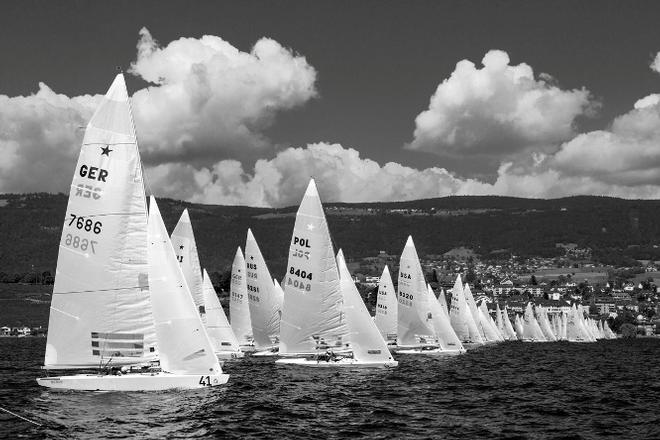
328, 356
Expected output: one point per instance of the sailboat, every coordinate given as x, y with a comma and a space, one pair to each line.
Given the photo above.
461, 318
490, 329
107, 310
313, 318
448, 341
499, 322
322, 307
415, 330
545, 325
239, 308
225, 344
531, 330
202, 291
609, 334
386, 308
518, 326
265, 300
508, 327
185, 247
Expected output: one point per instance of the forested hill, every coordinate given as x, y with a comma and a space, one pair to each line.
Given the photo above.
31, 225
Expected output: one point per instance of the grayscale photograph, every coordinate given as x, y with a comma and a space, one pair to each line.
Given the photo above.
329, 219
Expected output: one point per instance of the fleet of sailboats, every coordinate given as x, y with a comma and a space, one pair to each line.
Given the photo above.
133, 309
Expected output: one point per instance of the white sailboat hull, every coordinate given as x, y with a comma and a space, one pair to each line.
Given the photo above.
434, 352
133, 382
269, 352
343, 362
228, 355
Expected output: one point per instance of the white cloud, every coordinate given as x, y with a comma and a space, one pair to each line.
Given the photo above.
341, 174
655, 64
211, 100
40, 137
495, 112
627, 154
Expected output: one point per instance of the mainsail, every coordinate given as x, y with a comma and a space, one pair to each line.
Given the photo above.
461, 317
264, 298
445, 334
545, 325
531, 329
239, 309
490, 329
101, 307
184, 345
217, 326
312, 315
185, 247
510, 332
386, 307
365, 340
414, 327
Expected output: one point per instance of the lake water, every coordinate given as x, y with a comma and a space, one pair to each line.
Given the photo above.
512, 390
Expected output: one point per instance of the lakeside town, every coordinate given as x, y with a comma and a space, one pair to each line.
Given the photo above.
622, 295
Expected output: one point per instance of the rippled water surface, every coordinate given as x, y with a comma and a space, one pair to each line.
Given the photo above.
512, 390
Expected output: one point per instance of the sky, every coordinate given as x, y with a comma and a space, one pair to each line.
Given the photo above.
241, 102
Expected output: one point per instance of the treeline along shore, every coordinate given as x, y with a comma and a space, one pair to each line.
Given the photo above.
619, 232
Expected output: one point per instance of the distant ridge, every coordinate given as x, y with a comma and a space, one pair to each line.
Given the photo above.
616, 229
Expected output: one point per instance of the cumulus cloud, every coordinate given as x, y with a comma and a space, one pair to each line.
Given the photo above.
487, 115
208, 101
655, 64
341, 174
212, 101
40, 137
626, 154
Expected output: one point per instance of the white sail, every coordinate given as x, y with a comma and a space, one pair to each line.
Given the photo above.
386, 307
312, 315
510, 332
101, 307
518, 325
531, 329
490, 329
184, 345
545, 325
217, 326
414, 327
364, 338
499, 322
264, 298
608, 331
445, 334
185, 247
474, 311
443, 301
461, 317
239, 309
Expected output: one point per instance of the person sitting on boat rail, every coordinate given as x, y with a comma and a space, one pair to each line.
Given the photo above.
328, 356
